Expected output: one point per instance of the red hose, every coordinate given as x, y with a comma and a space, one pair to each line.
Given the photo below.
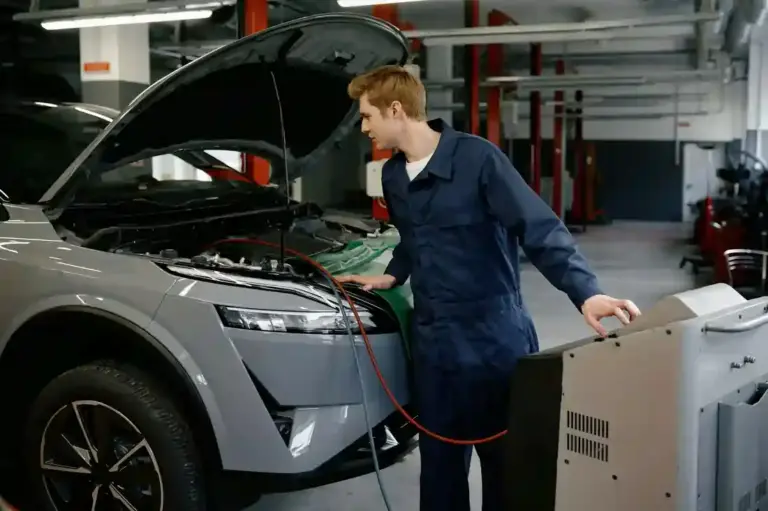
368, 346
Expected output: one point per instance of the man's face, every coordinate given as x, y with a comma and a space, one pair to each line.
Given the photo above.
381, 128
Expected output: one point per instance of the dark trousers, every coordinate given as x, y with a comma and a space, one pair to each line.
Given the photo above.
466, 405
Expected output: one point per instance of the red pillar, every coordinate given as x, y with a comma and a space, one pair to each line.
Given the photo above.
535, 126
415, 43
495, 68
472, 69
557, 146
254, 17
578, 209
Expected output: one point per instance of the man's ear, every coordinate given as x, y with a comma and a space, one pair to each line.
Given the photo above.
395, 108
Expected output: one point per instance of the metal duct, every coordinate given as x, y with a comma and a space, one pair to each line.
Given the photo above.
745, 17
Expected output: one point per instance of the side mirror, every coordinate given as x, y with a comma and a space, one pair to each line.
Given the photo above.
4, 214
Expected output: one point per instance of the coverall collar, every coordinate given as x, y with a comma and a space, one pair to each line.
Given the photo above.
440, 163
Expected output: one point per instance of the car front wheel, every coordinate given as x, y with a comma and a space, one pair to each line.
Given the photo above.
103, 437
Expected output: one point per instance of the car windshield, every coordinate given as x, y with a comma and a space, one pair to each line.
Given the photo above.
47, 138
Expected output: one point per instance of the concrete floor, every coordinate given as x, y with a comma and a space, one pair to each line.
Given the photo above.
633, 260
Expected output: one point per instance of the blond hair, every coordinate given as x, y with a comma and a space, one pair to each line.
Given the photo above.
387, 84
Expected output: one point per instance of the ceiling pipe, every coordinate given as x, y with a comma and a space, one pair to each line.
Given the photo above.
515, 104
592, 116
605, 100
676, 31
571, 114
553, 32
648, 77
613, 79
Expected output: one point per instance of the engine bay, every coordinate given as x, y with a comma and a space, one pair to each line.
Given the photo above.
243, 241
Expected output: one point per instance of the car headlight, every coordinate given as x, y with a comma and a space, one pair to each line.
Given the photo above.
305, 322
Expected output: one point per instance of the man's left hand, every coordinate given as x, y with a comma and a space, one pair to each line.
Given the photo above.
603, 306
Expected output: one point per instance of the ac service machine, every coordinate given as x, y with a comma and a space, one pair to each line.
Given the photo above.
669, 413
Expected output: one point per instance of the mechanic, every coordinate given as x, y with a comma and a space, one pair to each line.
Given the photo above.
463, 210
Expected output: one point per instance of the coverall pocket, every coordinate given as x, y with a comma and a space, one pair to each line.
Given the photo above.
455, 256
489, 334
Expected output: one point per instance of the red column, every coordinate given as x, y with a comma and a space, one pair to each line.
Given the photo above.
472, 69
254, 18
415, 43
536, 61
495, 68
557, 146
580, 183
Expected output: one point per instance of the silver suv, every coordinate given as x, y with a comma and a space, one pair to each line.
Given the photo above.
158, 343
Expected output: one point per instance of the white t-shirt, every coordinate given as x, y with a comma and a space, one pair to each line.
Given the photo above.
413, 168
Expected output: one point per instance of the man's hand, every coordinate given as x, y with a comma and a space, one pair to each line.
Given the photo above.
602, 306
370, 281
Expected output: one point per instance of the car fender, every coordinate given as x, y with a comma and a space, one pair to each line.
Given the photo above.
138, 321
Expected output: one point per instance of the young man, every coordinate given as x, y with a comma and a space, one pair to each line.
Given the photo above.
462, 211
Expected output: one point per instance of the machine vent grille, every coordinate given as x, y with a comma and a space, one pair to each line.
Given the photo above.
586, 424
587, 447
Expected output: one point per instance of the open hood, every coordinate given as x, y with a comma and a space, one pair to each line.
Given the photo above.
280, 91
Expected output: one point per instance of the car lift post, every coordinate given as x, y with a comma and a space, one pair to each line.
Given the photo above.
252, 17
535, 122
558, 143
494, 117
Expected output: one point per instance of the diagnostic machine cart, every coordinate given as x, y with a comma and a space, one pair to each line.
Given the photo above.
667, 414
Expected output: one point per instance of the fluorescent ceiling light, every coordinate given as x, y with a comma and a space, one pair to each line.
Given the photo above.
366, 3
129, 19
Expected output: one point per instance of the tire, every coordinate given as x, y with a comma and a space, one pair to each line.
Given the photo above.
131, 408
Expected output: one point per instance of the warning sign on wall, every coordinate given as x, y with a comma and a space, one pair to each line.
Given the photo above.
96, 67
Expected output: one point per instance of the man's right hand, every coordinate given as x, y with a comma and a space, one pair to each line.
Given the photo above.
370, 281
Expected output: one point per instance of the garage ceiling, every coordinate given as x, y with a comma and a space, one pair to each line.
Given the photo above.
200, 37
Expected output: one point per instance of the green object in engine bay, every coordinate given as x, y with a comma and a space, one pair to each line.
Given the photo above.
370, 256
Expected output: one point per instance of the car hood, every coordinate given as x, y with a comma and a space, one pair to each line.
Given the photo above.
280, 92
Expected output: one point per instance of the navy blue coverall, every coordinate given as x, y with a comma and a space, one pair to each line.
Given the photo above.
461, 221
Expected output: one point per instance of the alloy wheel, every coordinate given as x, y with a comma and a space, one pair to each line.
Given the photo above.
92, 457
